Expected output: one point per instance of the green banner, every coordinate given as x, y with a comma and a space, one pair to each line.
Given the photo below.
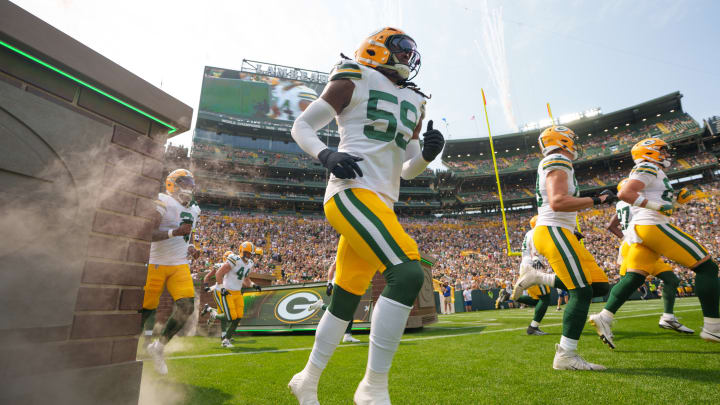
286, 307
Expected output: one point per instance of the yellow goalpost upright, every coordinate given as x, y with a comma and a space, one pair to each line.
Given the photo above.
497, 180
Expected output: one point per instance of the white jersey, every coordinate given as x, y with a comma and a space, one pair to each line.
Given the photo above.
529, 253
288, 99
173, 251
624, 213
239, 269
376, 126
546, 216
657, 189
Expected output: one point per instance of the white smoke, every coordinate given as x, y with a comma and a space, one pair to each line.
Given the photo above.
493, 54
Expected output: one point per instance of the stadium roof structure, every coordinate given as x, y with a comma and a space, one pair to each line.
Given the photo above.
472, 148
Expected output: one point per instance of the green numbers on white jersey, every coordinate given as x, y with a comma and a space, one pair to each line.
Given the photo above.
242, 272
667, 195
375, 114
623, 215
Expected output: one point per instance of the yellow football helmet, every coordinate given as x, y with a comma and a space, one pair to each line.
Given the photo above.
559, 137
653, 150
381, 48
259, 251
180, 184
247, 247
533, 221
621, 184
226, 255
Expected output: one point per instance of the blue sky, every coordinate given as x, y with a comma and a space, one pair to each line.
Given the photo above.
574, 54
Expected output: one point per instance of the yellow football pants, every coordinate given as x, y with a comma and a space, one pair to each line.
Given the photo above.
660, 265
371, 238
536, 291
177, 278
233, 304
218, 301
571, 261
666, 240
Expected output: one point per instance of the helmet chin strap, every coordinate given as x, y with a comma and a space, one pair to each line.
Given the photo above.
402, 69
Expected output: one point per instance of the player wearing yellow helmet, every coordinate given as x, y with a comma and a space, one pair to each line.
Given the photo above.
650, 234
558, 200
231, 277
168, 266
379, 115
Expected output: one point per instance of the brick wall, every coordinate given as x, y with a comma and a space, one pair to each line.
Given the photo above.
126, 175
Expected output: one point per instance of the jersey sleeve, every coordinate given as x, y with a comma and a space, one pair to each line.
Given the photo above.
232, 259
161, 204
645, 173
345, 70
556, 162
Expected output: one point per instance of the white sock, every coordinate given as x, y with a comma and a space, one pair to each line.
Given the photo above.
607, 314
715, 322
534, 324
667, 317
547, 279
386, 329
568, 344
376, 379
327, 337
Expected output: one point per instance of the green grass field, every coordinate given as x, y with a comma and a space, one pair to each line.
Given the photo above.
467, 358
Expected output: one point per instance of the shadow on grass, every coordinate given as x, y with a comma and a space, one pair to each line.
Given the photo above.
160, 391
699, 375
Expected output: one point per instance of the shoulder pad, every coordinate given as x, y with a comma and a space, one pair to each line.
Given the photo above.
645, 168
553, 161
346, 69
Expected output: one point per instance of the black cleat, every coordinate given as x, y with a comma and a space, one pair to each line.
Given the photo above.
534, 331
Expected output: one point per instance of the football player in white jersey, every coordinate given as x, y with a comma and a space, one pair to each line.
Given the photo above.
650, 234
537, 296
231, 278
177, 214
558, 199
290, 99
622, 291
379, 115
211, 289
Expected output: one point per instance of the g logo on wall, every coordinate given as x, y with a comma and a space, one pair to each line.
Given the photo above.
293, 308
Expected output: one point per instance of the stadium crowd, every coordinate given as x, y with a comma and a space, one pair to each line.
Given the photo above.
471, 251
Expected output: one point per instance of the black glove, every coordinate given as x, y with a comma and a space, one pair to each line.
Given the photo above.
206, 288
257, 287
537, 264
433, 143
578, 235
224, 292
611, 197
329, 289
341, 164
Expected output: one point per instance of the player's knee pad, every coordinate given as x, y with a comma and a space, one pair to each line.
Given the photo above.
600, 289
404, 282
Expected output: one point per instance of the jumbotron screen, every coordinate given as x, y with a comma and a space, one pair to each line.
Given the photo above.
258, 92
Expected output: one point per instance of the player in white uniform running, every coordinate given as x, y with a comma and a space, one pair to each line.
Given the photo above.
230, 280
650, 235
558, 199
619, 294
537, 296
379, 115
177, 214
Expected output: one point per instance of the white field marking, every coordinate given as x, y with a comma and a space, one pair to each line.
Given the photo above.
295, 349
